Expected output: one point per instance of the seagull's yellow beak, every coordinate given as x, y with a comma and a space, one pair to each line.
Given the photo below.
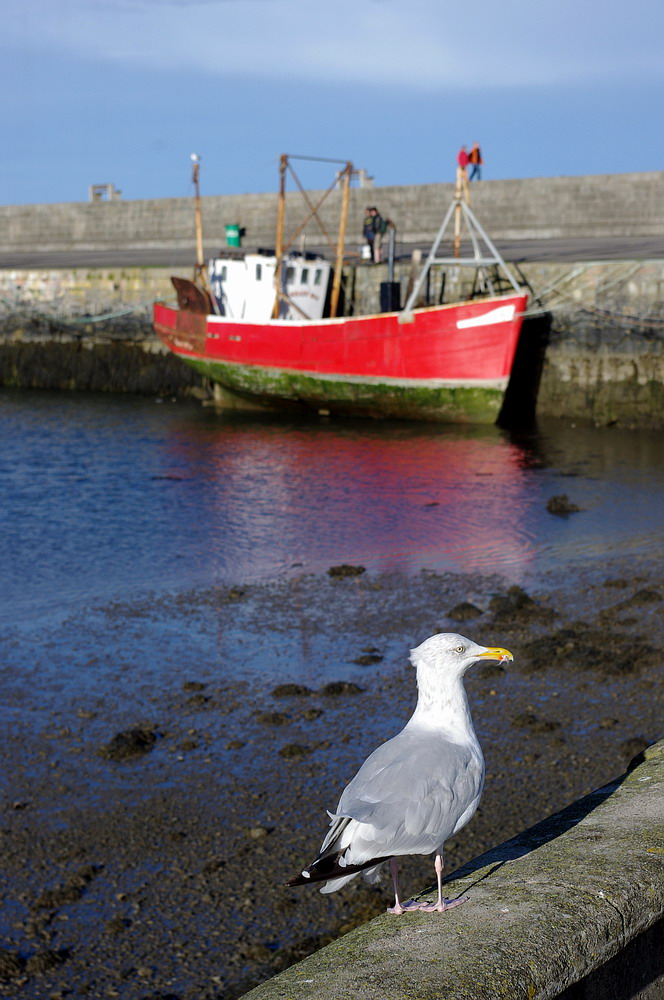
496, 653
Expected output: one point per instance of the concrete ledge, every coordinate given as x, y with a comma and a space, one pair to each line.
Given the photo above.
554, 907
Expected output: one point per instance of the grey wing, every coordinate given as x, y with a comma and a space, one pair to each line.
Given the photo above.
412, 793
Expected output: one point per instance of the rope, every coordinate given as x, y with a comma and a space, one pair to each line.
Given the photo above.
85, 320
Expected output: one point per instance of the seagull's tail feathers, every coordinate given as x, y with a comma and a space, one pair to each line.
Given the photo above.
371, 875
331, 866
329, 869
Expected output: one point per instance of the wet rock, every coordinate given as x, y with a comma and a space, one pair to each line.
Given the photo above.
517, 604
258, 832
336, 688
581, 647
235, 744
188, 745
159, 996
561, 505
69, 892
44, 961
199, 701
129, 743
234, 593
214, 866
311, 714
193, 686
526, 720
11, 964
639, 599
295, 751
291, 690
608, 723
273, 718
463, 612
254, 951
645, 597
345, 570
367, 659
117, 925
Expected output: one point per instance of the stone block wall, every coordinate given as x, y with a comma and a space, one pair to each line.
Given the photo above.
533, 208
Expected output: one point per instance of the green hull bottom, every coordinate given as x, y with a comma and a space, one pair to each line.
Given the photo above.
244, 386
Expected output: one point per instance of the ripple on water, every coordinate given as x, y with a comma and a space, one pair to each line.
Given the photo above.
106, 496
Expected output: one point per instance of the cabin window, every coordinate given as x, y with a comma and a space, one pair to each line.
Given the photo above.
259, 272
318, 276
304, 280
223, 273
290, 274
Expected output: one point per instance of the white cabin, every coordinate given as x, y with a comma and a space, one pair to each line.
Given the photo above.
244, 287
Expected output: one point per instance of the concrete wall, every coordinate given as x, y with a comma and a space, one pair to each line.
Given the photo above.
534, 208
572, 908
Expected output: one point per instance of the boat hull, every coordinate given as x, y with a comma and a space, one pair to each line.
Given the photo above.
448, 363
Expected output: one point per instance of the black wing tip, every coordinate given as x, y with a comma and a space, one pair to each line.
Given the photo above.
297, 880
328, 868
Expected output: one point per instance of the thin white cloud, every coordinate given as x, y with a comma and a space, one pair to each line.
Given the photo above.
429, 44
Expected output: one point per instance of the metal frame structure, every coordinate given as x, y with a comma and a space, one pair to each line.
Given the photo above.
342, 178
484, 255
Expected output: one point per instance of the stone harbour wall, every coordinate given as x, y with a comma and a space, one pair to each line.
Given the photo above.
596, 353
530, 208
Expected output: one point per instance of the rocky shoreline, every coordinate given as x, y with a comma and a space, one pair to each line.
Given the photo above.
155, 802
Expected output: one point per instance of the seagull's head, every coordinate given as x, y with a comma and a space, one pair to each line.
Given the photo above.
450, 654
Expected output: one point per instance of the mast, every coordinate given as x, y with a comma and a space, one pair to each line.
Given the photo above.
345, 196
279, 244
199, 225
461, 193
200, 271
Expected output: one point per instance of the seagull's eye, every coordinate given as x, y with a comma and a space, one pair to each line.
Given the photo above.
460, 649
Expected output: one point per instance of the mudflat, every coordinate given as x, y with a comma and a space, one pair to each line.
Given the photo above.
156, 798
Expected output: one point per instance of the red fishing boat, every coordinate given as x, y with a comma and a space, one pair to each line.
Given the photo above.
263, 327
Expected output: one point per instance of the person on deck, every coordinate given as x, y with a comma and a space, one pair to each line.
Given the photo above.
369, 230
475, 158
380, 228
463, 159
375, 227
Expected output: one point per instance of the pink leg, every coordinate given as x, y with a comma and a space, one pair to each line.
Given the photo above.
441, 904
399, 907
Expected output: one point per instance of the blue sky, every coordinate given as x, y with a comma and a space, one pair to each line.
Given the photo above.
122, 91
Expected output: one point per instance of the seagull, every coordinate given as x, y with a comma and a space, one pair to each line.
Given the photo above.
418, 789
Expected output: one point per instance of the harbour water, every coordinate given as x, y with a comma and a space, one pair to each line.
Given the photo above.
107, 497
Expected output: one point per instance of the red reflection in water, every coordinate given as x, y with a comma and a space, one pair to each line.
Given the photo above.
390, 499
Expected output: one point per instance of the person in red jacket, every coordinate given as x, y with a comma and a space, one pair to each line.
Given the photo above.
463, 159
475, 158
